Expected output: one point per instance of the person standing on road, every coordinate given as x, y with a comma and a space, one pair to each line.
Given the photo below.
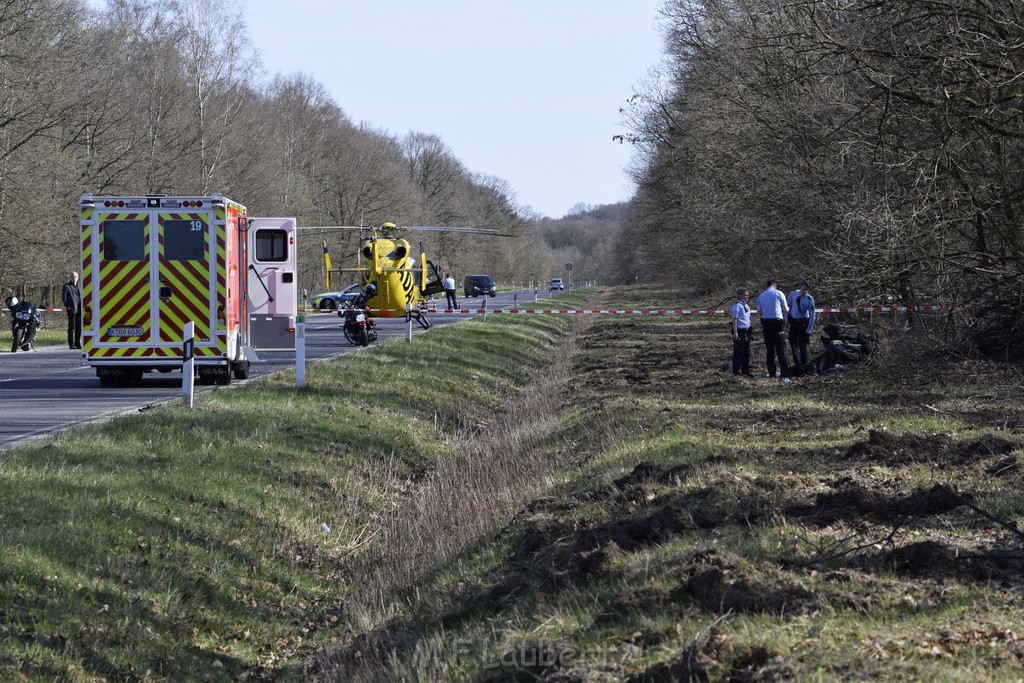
449, 291
741, 334
801, 320
772, 307
71, 295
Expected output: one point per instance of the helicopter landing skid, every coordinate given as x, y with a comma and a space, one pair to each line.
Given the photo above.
419, 317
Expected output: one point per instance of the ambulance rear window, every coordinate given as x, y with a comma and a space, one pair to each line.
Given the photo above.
123, 240
271, 245
184, 240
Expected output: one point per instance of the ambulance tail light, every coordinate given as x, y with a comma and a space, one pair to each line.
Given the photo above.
87, 316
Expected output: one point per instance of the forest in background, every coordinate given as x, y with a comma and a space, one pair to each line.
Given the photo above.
872, 147
583, 237
146, 96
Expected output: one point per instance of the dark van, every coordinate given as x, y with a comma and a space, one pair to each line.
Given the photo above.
475, 285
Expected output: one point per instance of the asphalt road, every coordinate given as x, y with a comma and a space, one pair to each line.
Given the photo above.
50, 389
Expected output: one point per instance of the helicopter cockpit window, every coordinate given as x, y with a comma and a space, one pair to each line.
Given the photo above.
271, 245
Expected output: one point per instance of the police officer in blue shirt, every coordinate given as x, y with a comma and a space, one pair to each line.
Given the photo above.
801, 321
741, 333
772, 307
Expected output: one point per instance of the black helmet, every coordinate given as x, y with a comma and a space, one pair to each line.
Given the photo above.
371, 290
11, 301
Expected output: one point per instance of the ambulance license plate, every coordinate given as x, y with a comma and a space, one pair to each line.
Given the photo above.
125, 331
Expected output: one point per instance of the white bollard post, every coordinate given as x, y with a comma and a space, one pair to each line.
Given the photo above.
408, 322
483, 306
300, 352
188, 366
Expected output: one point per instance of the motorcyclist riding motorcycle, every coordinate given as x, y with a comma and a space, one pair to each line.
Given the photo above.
25, 321
359, 326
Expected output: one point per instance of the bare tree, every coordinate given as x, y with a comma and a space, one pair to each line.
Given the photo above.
869, 142
165, 96
40, 46
437, 175
218, 63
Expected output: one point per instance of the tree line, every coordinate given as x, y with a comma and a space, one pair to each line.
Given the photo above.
584, 237
151, 96
873, 147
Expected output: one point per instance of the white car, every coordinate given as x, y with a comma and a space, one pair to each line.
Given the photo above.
556, 283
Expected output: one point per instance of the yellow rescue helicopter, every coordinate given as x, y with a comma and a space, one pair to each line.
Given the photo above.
402, 281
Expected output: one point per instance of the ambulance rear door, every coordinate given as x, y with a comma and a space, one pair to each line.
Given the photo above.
270, 284
118, 288
186, 277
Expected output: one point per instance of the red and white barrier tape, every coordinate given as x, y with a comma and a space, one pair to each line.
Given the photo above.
632, 311
679, 311
628, 311
48, 310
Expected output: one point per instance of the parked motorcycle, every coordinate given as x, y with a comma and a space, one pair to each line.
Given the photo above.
26, 319
359, 326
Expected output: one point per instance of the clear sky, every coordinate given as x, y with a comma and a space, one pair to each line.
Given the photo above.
525, 90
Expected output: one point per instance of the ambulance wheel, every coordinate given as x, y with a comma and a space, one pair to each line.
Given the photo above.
242, 370
108, 381
223, 378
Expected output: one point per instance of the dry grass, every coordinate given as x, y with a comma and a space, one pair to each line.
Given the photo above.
498, 464
705, 527
605, 502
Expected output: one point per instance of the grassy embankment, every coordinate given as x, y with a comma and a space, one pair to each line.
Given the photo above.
706, 527
184, 545
532, 498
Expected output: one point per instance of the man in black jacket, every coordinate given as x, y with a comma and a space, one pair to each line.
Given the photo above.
71, 295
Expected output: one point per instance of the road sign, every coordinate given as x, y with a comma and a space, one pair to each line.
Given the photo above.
568, 266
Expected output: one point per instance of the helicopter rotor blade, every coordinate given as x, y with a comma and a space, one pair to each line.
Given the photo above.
322, 229
307, 231
469, 231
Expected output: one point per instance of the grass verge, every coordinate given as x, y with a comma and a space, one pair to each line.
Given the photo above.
185, 545
699, 526
531, 498
46, 336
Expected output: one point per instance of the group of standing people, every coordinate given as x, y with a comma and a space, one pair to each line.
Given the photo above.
775, 309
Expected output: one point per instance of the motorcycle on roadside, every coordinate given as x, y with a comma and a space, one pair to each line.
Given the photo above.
359, 326
26, 318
